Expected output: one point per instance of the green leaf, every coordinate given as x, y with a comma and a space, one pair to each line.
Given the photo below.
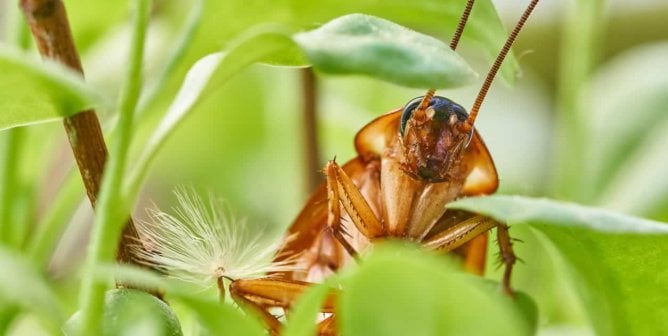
223, 319
8, 313
362, 44
618, 262
529, 310
131, 311
33, 92
20, 284
627, 127
546, 212
184, 40
436, 17
219, 318
304, 314
399, 291
641, 187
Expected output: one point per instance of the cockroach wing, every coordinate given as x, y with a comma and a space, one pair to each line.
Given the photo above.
483, 179
372, 139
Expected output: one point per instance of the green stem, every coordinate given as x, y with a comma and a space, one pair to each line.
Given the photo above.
579, 50
16, 29
54, 221
10, 186
13, 140
184, 40
111, 208
8, 314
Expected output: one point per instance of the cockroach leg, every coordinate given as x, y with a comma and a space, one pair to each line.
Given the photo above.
507, 255
476, 255
272, 323
334, 210
468, 231
270, 292
460, 233
259, 295
341, 189
327, 326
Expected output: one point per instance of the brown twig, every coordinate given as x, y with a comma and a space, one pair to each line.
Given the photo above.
310, 136
51, 30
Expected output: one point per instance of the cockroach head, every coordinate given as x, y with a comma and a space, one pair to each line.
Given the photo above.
433, 136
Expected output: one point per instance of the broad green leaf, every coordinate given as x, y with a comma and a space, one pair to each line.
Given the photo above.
131, 312
618, 261
222, 319
8, 313
439, 18
626, 127
306, 311
20, 284
362, 44
32, 91
546, 212
640, 187
528, 308
219, 318
620, 117
397, 291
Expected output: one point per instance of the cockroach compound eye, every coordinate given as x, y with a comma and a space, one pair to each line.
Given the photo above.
443, 108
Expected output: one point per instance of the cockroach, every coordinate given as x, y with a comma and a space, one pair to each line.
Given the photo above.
411, 162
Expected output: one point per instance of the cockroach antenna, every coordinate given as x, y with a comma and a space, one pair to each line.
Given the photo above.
462, 23
453, 45
468, 125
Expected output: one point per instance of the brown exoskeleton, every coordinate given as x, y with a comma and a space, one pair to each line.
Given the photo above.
411, 162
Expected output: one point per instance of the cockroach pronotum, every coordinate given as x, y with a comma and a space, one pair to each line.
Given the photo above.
411, 162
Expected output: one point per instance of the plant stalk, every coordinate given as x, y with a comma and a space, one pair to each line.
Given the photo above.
51, 30
579, 52
112, 208
9, 179
311, 150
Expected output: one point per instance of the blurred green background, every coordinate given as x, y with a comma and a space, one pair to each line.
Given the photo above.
245, 143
